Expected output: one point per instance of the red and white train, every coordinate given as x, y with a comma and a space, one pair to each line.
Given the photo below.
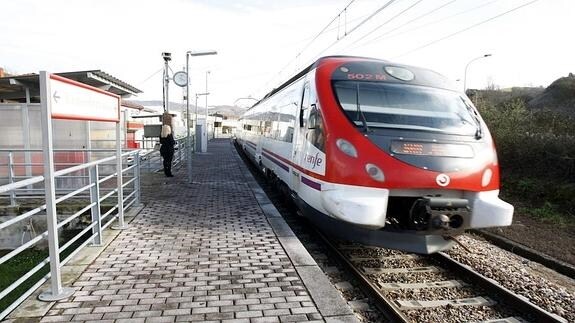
379, 153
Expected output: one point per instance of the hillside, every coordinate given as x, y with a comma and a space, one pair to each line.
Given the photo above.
559, 96
501, 96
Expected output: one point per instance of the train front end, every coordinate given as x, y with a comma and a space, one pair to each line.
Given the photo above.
410, 162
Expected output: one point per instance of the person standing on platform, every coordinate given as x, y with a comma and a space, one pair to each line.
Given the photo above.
167, 143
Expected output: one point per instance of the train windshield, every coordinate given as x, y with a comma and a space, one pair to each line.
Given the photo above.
402, 106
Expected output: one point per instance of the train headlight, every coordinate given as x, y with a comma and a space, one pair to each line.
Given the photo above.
346, 147
375, 172
486, 178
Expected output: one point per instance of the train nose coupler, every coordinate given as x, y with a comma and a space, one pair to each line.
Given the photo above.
439, 214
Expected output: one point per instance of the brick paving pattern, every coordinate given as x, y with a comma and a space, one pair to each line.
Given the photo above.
199, 252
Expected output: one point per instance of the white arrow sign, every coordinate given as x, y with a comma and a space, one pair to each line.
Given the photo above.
79, 101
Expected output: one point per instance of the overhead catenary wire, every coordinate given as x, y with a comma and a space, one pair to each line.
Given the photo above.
214, 67
326, 28
151, 75
344, 10
380, 37
466, 29
390, 2
387, 4
389, 20
313, 39
400, 26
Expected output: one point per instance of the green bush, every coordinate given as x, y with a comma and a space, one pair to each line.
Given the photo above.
536, 150
533, 143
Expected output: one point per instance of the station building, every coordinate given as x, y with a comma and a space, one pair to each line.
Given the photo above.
20, 127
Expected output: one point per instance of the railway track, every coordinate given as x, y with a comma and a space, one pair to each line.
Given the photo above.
435, 288
420, 288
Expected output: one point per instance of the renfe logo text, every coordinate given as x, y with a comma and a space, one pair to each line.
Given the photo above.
314, 160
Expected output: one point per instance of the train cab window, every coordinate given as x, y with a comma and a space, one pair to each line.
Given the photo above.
315, 133
401, 106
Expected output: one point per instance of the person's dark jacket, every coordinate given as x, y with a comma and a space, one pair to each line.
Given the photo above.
167, 145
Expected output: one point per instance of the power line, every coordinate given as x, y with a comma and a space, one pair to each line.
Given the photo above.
380, 37
219, 66
326, 26
313, 39
371, 16
389, 20
466, 29
151, 75
390, 2
288, 44
402, 25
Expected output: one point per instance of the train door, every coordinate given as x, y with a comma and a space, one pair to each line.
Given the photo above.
260, 141
299, 135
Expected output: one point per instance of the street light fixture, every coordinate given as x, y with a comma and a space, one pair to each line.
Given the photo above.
466, 66
188, 54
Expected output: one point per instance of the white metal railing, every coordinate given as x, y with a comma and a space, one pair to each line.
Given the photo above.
27, 171
93, 191
152, 161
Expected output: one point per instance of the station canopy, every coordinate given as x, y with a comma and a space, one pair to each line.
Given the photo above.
13, 88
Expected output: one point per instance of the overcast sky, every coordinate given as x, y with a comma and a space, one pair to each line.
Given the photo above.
261, 43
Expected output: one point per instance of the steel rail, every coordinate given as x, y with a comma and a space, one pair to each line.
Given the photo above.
384, 304
518, 301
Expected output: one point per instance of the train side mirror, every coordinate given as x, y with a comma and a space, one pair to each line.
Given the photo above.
313, 115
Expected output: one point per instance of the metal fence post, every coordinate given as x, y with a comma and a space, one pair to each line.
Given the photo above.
182, 152
56, 292
11, 178
189, 158
178, 161
119, 170
137, 174
95, 198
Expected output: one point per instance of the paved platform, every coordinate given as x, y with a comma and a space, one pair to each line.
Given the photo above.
215, 250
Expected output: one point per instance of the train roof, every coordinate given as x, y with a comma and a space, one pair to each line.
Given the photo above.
445, 84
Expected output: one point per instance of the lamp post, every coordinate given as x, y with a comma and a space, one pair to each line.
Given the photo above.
467, 66
189, 157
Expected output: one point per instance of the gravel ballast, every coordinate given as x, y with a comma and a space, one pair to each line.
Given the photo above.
552, 292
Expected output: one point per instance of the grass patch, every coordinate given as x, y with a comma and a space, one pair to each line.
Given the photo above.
548, 213
544, 199
15, 268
